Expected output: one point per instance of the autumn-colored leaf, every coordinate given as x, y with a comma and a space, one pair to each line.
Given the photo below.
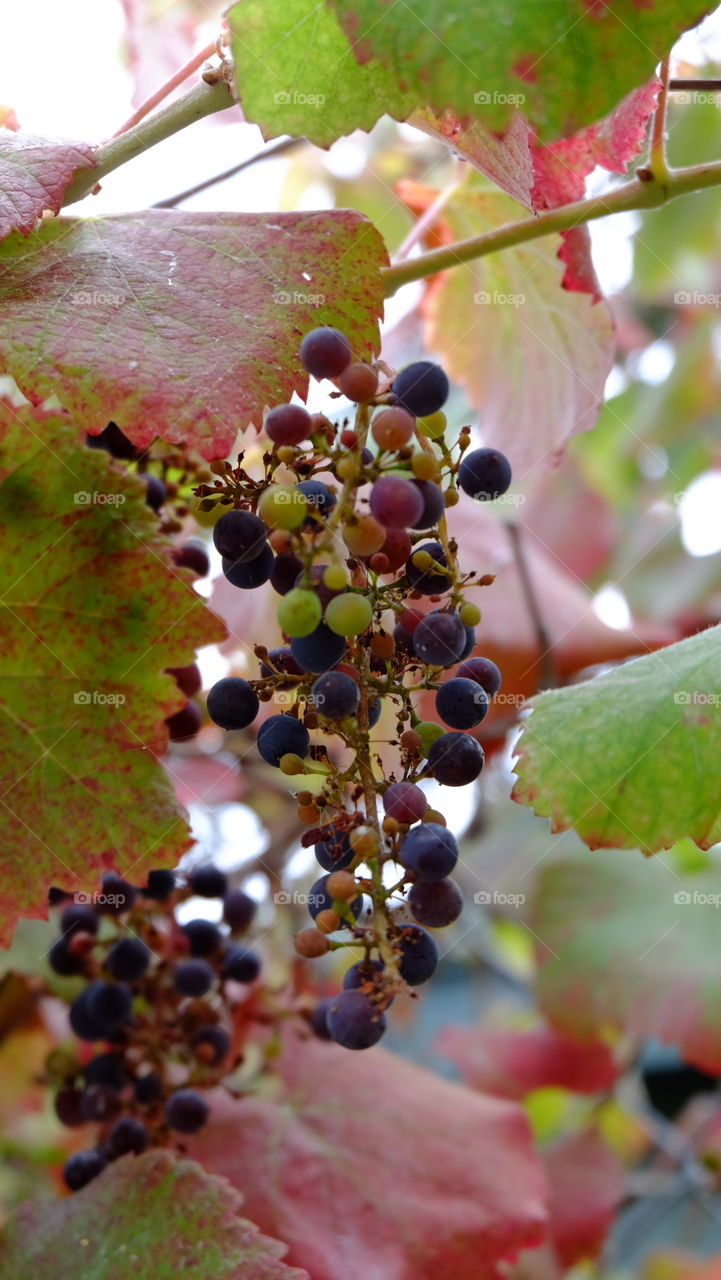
429, 1178
587, 1186
182, 325
628, 758
513, 1063
92, 613
34, 173
147, 1217
628, 944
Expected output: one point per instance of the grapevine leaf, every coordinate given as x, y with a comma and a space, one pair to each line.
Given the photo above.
513, 1063
587, 1185
630, 945
532, 356
34, 173
92, 613
629, 758
433, 1179
182, 325
149, 1217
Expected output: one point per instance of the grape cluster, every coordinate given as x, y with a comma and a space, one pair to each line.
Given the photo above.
348, 526
154, 1005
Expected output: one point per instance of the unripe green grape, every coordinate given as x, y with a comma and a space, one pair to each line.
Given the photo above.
428, 731
335, 577
433, 426
299, 612
469, 614
282, 507
349, 614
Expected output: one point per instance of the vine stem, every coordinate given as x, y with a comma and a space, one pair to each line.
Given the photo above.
160, 94
546, 666
200, 101
657, 162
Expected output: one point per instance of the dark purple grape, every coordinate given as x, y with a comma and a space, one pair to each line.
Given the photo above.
106, 1068
148, 1088
109, 1004
375, 706
367, 976
241, 965
421, 388
193, 977
79, 918
203, 938
160, 886
63, 961
405, 802
57, 895
233, 703
319, 651
319, 899
114, 442
354, 1021
436, 905
240, 536
188, 679
84, 1027
184, 724
396, 503
325, 594
286, 570
211, 1044
68, 1107
429, 851
430, 582
461, 703
192, 555
419, 955
334, 851
117, 895
127, 1135
100, 1103
288, 424
186, 1111
254, 574
282, 735
455, 759
80, 1169
280, 659
335, 695
484, 474
484, 672
239, 910
320, 498
433, 505
155, 491
318, 1019
208, 881
439, 638
128, 959
470, 644
325, 353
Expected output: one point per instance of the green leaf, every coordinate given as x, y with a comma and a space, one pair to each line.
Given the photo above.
630, 758
92, 613
629, 945
146, 1217
182, 325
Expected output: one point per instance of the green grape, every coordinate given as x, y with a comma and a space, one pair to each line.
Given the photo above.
428, 731
433, 426
335, 577
349, 614
299, 612
283, 507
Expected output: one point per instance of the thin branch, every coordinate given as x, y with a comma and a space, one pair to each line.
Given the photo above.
427, 220
268, 153
657, 162
160, 94
202, 100
680, 86
546, 667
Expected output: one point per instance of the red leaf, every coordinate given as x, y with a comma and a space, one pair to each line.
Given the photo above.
513, 1063
587, 1184
34, 173
371, 1167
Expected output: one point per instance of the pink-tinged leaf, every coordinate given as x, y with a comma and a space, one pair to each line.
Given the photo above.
201, 779
8, 119
561, 500
158, 40
415, 1179
625, 943
93, 611
505, 158
183, 325
148, 1217
512, 1064
587, 1185
34, 173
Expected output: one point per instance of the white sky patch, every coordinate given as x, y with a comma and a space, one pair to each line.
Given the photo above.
699, 514
611, 606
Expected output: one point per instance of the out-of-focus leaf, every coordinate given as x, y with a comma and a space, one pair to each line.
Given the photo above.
587, 1185
514, 1063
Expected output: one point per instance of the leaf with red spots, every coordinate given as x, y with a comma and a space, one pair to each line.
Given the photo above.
92, 613
514, 1063
34, 173
147, 1217
182, 325
587, 1186
432, 1179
